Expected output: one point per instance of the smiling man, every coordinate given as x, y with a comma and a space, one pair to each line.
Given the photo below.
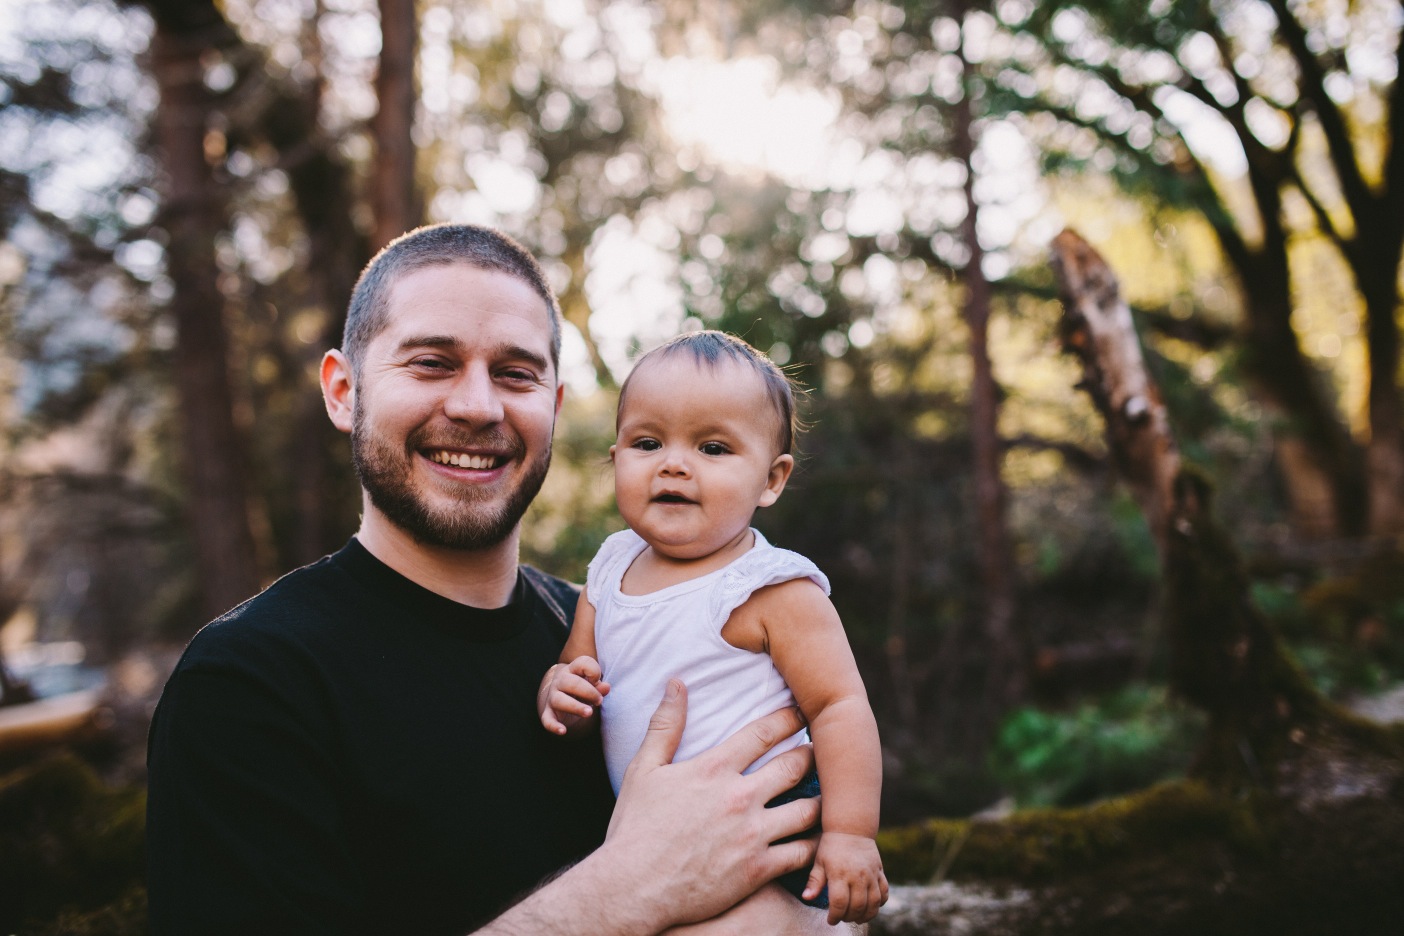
356, 750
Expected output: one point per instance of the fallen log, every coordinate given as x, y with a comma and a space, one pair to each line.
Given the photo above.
48, 722
1292, 815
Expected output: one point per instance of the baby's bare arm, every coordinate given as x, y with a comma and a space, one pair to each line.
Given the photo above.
805, 638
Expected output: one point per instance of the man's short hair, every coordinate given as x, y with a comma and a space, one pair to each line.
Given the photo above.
435, 245
710, 347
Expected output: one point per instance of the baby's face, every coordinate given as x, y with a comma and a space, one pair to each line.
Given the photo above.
696, 454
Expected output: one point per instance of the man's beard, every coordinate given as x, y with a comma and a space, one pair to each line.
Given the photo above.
478, 521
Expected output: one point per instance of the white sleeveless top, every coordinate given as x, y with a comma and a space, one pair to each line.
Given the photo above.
644, 640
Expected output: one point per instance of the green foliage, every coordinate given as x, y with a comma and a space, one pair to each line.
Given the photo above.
1102, 747
1346, 630
70, 852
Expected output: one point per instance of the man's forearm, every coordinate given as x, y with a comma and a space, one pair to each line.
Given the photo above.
589, 898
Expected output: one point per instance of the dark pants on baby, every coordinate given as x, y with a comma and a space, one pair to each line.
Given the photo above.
794, 881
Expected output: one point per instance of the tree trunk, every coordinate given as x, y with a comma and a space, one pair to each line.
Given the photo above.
393, 193
193, 214
1004, 680
322, 188
1372, 248
1097, 327
1320, 464
1292, 820
1385, 453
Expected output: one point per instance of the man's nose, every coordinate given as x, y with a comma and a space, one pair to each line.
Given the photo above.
474, 399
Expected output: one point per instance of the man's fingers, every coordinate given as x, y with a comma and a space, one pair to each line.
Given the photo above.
665, 729
789, 856
782, 772
551, 722
742, 749
791, 818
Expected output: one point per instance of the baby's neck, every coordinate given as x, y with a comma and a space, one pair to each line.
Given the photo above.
654, 570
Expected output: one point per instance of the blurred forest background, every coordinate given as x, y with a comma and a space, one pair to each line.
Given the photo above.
866, 190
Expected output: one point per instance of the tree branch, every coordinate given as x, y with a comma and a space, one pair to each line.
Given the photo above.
1313, 87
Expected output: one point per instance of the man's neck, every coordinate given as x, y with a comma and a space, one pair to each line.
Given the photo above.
482, 578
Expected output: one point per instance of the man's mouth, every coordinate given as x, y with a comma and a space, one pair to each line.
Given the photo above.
465, 460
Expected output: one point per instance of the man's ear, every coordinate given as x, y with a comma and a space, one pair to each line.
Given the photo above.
338, 389
780, 470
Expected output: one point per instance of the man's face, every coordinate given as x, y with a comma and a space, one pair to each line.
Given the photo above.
455, 404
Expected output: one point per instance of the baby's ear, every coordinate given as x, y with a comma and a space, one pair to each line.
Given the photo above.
780, 470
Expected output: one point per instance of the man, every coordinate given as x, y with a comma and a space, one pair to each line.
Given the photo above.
356, 749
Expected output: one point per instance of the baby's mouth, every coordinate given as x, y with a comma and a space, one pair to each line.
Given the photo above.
465, 460
672, 499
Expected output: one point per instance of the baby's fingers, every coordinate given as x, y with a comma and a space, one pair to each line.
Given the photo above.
551, 723
839, 899
866, 895
578, 688
863, 901
565, 704
587, 667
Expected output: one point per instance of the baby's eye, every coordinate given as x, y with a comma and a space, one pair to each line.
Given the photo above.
713, 448
647, 445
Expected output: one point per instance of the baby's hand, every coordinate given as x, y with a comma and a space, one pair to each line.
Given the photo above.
570, 694
850, 865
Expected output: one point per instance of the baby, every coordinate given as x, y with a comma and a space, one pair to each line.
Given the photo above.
705, 427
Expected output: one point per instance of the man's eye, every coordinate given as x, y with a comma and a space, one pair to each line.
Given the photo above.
713, 448
519, 375
430, 364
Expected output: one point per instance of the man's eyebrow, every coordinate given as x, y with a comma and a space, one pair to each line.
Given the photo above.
428, 341
502, 352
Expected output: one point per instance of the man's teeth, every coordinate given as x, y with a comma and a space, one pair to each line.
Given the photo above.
463, 460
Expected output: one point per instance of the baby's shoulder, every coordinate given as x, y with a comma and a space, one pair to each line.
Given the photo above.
763, 568
612, 558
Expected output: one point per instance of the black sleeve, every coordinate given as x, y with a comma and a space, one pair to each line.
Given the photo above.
246, 822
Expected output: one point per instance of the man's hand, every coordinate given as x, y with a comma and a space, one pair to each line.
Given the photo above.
571, 694
687, 841
850, 865
698, 832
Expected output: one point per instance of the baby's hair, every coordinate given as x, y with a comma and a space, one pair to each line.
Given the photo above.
711, 347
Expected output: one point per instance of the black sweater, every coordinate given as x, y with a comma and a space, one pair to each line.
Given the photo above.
351, 753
